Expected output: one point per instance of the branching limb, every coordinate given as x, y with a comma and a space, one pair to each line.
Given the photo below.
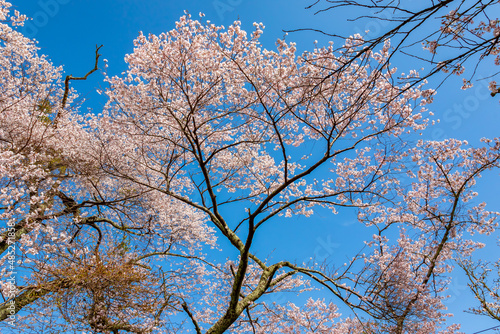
195, 323
70, 77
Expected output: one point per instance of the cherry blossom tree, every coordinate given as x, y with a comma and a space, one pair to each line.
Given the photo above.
485, 288
53, 196
112, 220
457, 33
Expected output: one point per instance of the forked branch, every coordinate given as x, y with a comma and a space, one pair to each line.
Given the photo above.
70, 77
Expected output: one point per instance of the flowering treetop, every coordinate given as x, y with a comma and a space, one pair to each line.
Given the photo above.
205, 138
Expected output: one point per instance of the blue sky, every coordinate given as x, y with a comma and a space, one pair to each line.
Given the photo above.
69, 30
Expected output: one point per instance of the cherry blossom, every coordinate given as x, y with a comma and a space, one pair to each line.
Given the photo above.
117, 219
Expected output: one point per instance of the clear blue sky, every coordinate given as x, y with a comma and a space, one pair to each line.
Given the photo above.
68, 31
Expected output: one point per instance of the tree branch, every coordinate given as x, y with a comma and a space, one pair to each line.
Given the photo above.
70, 77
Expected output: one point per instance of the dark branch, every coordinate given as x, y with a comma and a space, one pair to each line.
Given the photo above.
70, 77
